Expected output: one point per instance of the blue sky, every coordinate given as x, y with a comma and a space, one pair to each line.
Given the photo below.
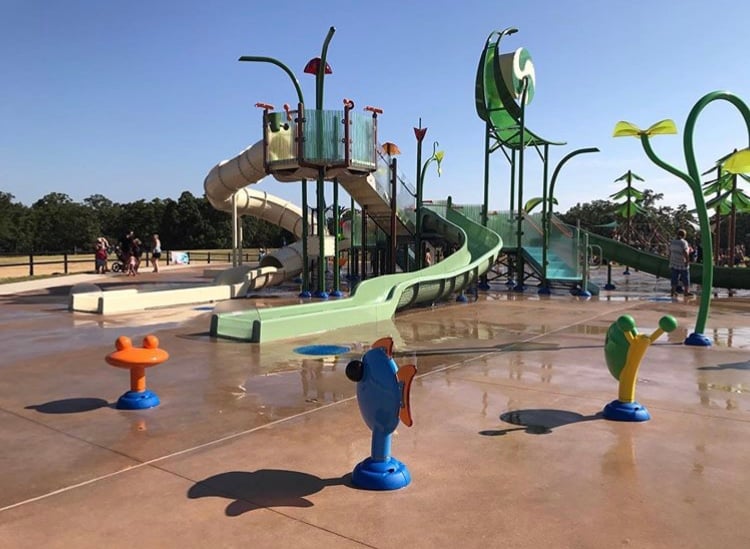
140, 99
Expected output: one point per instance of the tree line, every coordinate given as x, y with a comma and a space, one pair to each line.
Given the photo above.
56, 223
653, 225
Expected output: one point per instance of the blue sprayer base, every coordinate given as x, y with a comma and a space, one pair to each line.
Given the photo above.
137, 400
390, 474
625, 411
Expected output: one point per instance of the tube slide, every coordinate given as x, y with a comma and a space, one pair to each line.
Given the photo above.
230, 178
227, 181
377, 299
724, 277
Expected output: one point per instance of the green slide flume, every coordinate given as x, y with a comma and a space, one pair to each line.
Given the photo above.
376, 299
724, 277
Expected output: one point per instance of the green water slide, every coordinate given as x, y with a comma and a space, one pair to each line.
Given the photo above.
724, 277
376, 299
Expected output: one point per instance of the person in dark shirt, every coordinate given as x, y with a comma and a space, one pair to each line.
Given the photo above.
136, 251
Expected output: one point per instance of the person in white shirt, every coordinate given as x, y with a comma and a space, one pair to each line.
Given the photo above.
679, 261
155, 252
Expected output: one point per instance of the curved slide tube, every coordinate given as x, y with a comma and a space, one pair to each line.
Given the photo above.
375, 300
724, 277
229, 179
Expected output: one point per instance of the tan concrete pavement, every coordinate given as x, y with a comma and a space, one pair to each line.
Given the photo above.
254, 445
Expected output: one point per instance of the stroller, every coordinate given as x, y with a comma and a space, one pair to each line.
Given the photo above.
120, 265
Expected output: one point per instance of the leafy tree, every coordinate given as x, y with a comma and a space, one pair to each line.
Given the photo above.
652, 231
190, 222
592, 216
62, 225
16, 229
107, 215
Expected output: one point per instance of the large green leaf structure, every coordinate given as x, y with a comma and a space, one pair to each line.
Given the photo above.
616, 348
630, 193
534, 202
629, 209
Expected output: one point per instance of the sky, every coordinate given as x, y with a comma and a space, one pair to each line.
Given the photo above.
139, 99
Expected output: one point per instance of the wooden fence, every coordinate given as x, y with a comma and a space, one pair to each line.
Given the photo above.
68, 263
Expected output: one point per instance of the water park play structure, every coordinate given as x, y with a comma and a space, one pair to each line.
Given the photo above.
395, 223
504, 87
303, 144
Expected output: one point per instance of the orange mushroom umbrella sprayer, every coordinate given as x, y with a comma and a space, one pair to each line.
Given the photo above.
137, 359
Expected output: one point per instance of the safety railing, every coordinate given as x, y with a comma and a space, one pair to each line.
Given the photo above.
329, 138
39, 264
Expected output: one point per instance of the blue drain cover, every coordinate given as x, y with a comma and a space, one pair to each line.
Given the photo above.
322, 350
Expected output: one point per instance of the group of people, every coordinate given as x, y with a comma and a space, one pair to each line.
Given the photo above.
131, 249
129, 252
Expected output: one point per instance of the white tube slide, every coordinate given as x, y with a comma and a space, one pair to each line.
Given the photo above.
230, 178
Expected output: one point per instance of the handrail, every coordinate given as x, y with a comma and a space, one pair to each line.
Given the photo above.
528, 220
561, 226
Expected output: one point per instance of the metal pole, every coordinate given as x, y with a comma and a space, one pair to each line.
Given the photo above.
235, 245
420, 133
394, 189
336, 221
519, 227
545, 216
305, 233
321, 171
483, 284
352, 249
364, 242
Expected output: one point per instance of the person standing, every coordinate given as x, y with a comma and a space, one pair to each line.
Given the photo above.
427, 257
136, 252
679, 261
100, 258
155, 252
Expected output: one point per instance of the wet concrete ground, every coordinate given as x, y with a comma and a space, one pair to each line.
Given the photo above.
253, 445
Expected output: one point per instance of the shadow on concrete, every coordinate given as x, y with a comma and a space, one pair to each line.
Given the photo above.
263, 488
69, 406
726, 366
538, 422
